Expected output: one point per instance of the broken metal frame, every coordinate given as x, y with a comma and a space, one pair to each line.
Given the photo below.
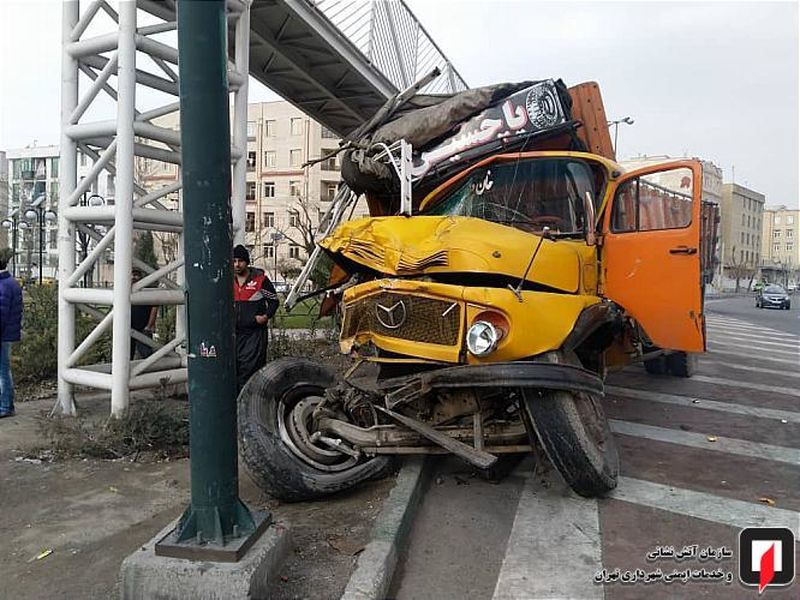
487, 440
113, 146
390, 436
398, 155
345, 198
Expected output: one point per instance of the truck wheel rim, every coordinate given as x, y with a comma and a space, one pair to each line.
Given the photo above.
294, 426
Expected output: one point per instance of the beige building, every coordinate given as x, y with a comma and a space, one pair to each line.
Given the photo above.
740, 229
284, 199
780, 246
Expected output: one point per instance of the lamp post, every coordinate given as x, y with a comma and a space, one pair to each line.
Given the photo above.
83, 237
39, 214
277, 238
626, 120
13, 224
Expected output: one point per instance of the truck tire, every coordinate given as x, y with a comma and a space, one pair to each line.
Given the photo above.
274, 443
574, 432
656, 366
682, 364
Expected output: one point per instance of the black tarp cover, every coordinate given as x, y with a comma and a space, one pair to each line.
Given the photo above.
448, 133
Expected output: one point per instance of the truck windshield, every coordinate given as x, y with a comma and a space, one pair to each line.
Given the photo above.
527, 194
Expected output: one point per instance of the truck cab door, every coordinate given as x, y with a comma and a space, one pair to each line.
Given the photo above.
650, 252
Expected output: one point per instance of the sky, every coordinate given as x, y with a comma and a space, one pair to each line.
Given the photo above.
716, 80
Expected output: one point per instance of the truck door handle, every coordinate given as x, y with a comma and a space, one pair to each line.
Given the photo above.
683, 250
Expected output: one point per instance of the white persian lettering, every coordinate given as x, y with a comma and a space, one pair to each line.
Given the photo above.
516, 117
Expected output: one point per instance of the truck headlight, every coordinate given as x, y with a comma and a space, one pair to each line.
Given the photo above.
482, 338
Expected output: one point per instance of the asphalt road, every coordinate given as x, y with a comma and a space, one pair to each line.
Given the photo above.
743, 307
701, 459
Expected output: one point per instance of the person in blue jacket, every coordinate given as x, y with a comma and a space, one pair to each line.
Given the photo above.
10, 331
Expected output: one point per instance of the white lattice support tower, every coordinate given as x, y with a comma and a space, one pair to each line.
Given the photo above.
115, 64
239, 120
68, 176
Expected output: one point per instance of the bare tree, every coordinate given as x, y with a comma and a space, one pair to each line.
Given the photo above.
298, 230
740, 269
302, 228
166, 243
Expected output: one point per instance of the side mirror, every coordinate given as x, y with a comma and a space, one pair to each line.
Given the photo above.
588, 210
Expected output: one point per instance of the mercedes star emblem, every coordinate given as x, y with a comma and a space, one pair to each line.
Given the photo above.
391, 317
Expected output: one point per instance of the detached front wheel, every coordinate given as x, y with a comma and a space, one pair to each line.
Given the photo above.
276, 435
574, 432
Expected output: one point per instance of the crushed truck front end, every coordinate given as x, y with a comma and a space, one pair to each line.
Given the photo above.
484, 249
484, 312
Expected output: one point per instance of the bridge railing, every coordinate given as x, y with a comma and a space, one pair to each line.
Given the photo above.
389, 35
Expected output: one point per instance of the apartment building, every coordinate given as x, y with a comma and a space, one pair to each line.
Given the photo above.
3, 198
32, 182
740, 228
780, 245
284, 199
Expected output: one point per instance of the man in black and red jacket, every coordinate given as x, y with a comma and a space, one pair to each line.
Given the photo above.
255, 303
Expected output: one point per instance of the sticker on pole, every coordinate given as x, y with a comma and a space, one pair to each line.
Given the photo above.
208, 351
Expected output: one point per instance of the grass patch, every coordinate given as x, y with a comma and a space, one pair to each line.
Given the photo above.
304, 315
153, 428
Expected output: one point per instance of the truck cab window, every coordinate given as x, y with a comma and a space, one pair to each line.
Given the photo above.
651, 202
525, 194
626, 207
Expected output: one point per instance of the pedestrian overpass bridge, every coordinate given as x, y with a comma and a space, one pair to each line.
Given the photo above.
336, 60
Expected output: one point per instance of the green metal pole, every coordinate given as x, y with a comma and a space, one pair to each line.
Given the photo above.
216, 513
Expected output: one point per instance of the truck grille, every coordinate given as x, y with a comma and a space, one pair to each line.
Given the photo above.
419, 319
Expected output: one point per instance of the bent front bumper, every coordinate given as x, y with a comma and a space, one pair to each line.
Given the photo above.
527, 374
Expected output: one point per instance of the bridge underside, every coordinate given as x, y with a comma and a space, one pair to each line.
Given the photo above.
298, 53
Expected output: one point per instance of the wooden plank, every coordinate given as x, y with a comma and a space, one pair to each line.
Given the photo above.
587, 107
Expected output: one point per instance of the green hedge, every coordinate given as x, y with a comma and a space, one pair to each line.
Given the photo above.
36, 356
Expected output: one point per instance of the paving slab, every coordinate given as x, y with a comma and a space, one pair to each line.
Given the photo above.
373, 573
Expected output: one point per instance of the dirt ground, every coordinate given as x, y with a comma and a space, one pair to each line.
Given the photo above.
66, 526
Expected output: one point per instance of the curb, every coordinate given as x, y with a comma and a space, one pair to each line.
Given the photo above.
376, 564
